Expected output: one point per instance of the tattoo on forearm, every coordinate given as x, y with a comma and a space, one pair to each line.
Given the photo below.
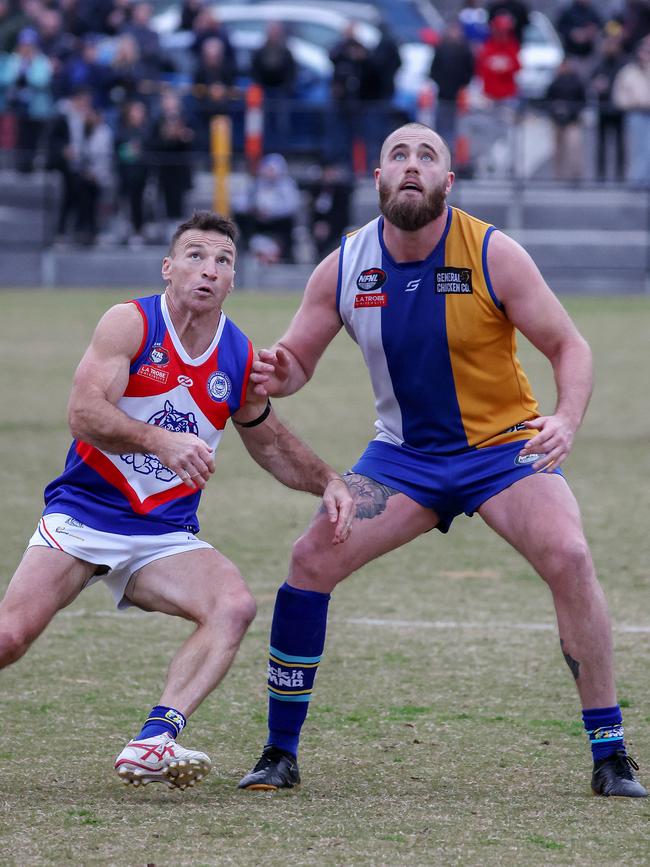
573, 664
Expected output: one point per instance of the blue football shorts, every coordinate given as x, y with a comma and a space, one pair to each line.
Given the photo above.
450, 484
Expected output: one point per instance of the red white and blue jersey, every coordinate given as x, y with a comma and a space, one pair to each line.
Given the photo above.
135, 494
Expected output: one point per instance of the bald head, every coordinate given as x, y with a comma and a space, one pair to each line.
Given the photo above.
421, 133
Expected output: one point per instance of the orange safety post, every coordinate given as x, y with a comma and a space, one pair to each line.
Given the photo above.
254, 125
359, 157
426, 104
462, 155
8, 132
221, 152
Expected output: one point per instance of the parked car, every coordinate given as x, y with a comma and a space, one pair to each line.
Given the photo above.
541, 54
321, 28
313, 66
408, 20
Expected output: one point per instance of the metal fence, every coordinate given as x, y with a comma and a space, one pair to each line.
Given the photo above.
581, 218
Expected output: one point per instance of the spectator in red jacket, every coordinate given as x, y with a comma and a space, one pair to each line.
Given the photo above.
498, 60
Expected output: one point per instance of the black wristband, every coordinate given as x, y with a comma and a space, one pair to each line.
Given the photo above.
259, 419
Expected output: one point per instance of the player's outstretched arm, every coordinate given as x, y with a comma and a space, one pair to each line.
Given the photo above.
533, 308
99, 383
290, 363
275, 448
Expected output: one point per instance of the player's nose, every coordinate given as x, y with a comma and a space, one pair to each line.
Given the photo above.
210, 271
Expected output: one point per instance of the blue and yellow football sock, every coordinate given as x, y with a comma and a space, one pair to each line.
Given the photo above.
604, 726
163, 719
297, 642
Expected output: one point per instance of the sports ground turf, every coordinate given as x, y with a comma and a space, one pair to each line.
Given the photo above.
445, 728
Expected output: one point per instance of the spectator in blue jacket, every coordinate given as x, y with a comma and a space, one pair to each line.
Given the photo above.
25, 90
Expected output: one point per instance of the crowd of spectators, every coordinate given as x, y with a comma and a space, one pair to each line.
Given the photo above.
87, 89
606, 67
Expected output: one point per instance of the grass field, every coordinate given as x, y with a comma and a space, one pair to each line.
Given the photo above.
445, 727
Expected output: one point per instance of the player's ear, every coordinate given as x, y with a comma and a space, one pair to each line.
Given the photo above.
450, 181
166, 267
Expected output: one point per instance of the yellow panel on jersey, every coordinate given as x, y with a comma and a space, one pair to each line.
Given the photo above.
492, 389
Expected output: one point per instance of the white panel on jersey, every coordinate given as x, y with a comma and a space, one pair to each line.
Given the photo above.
145, 474
178, 346
362, 251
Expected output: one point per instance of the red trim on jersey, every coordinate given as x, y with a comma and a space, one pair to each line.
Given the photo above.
145, 328
217, 412
140, 385
110, 473
249, 364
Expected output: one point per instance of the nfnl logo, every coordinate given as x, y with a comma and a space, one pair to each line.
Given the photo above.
158, 355
371, 279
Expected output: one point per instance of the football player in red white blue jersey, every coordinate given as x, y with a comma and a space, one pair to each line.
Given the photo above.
149, 403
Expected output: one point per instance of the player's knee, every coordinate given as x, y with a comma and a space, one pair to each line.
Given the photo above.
14, 642
242, 609
234, 610
569, 562
309, 565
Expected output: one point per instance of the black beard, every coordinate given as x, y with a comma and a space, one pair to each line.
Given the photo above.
410, 215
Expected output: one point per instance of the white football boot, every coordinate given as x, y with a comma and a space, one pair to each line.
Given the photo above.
161, 760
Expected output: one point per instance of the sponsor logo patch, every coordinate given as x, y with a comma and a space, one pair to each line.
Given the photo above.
608, 733
371, 279
67, 532
378, 299
153, 373
284, 676
186, 381
454, 281
515, 428
158, 355
176, 719
522, 460
219, 386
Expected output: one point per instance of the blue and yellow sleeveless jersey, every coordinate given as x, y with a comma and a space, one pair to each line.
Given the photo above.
439, 348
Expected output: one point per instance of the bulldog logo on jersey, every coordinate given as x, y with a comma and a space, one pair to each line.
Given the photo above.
454, 281
170, 419
158, 355
219, 386
371, 280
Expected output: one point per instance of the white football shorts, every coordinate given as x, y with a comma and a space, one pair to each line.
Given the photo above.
121, 555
